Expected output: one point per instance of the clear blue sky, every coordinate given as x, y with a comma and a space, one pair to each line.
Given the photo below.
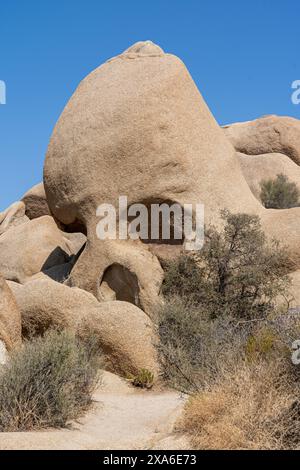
243, 55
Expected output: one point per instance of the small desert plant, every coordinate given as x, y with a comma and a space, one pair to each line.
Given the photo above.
48, 382
261, 344
279, 193
237, 272
144, 379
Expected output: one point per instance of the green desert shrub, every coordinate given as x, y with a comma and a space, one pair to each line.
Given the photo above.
237, 272
144, 379
184, 278
220, 304
197, 352
279, 193
261, 343
194, 350
48, 382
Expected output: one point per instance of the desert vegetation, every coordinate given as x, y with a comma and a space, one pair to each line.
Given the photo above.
238, 273
279, 193
144, 379
225, 342
255, 406
48, 382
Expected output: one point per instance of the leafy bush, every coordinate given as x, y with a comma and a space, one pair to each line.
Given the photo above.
237, 273
48, 382
279, 193
184, 278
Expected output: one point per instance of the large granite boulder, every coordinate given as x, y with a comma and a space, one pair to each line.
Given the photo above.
124, 332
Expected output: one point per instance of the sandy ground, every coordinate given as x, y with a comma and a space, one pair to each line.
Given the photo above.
122, 417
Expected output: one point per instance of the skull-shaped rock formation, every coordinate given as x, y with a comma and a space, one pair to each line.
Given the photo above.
137, 126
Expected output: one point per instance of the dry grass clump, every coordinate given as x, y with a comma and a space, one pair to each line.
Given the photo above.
244, 388
48, 382
255, 407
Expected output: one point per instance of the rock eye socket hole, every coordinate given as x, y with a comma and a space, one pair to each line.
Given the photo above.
75, 227
171, 224
118, 283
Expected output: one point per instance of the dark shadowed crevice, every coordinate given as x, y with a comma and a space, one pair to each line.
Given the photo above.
75, 227
118, 283
170, 223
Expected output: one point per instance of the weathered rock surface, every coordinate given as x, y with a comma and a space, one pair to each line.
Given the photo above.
29, 248
124, 332
269, 134
35, 202
123, 270
263, 167
13, 216
59, 273
76, 242
10, 320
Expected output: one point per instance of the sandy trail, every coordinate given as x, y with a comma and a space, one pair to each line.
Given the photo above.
122, 418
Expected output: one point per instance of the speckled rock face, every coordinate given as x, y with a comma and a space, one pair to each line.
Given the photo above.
32, 247
13, 216
268, 134
124, 333
35, 202
10, 320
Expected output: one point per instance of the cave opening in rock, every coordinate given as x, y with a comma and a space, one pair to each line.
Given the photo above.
119, 283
